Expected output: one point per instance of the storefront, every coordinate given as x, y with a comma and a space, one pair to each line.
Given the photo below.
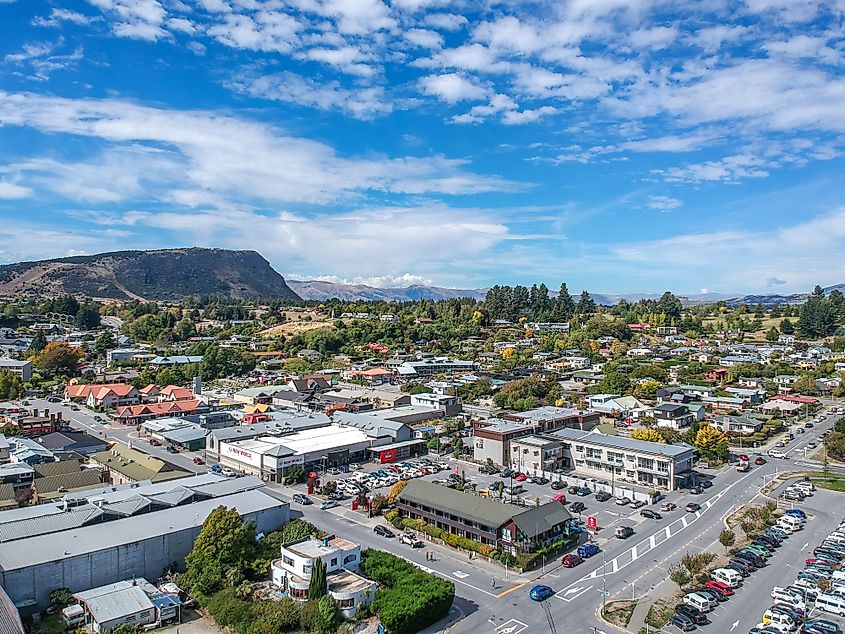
385, 454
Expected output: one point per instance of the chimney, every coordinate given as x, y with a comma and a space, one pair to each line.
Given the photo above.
197, 386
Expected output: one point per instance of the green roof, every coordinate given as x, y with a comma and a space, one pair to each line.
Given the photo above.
137, 466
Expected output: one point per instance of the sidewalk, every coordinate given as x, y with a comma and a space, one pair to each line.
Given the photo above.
660, 591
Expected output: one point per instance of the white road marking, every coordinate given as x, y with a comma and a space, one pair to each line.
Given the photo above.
460, 575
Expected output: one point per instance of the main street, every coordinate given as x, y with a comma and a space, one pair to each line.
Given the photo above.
491, 599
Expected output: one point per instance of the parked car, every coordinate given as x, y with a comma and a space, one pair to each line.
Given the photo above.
301, 498
577, 507
557, 485
570, 561
540, 593
378, 529
623, 501
198, 460
411, 540
227, 472
654, 515
682, 622
583, 491
603, 496
328, 504
573, 490
692, 613
587, 550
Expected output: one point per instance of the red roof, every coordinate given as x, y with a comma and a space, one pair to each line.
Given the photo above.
804, 400
100, 390
177, 392
158, 409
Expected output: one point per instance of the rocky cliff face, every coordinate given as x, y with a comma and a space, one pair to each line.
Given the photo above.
167, 274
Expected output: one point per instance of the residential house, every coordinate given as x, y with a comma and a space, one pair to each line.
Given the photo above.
673, 415
104, 396
124, 465
738, 424
753, 396
291, 573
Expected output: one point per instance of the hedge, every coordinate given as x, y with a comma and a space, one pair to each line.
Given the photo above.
410, 599
455, 541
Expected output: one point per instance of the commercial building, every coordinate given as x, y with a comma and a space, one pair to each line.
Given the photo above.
505, 527
492, 438
291, 573
22, 368
647, 464
100, 537
124, 465
548, 419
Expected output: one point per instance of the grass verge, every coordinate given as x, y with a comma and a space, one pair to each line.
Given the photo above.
660, 612
619, 613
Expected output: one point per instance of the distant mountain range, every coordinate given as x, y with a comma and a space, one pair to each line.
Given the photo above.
167, 274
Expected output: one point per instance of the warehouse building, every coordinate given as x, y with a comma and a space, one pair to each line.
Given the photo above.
95, 538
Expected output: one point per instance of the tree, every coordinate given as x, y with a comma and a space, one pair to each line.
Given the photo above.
772, 335
226, 542
786, 327
294, 474
395, 490
104, 343
679, 576
328, 616
87, 317
711, 442
60, 597
586, 304
564, 306
39, 342
727, 538
650, 435
647, 390
59, 358
10, 386
806, 385
318, 586
816, 318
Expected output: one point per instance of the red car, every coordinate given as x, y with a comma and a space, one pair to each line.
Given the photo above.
743, 457
718, 586
570, 561
521, 477
760, 460
154, 442
813, 560
199, 460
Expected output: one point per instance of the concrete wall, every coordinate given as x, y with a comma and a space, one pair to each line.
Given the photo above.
147, 558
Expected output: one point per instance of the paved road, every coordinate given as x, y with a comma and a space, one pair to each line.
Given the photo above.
492, 600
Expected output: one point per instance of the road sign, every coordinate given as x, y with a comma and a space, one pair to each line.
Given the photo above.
592, 522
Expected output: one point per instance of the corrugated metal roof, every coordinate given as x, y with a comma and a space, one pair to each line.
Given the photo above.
478, 509
118, 604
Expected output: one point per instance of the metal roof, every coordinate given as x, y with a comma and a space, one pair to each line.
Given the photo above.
475, 508
541, 518
90, 539
619, 442
117, 604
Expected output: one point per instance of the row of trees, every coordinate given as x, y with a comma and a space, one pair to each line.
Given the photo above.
819, 314
535, 303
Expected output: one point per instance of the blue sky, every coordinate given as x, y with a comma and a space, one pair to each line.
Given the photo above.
619, 145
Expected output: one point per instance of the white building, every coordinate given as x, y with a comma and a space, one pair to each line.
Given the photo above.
134, 602
121, 354
22, 368
291, 573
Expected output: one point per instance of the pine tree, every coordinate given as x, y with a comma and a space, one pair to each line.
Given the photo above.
564, 304
586, 304
317, 587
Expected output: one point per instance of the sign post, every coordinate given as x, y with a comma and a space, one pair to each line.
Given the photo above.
592, 522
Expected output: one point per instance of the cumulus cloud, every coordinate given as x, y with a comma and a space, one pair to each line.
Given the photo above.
453, 87
664, 203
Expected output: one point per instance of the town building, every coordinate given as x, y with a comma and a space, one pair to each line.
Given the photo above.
647, 464
492, 438
107, 535
548, 418
123, 465
436, 365
22, 368
291, 573
506, 527
134, 602
673, 416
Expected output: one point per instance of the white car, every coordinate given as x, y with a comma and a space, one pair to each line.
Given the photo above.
411, 540
226, 471
328, 504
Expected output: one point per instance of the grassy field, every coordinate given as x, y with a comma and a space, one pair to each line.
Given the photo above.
834, 483
619, 613
660, 612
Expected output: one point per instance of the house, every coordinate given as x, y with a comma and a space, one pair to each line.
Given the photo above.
175, 393
104, 395
756, 383
753, 396
738, 424
628, 407
673, 415
736, 359
372, 376
136, 414
291, 573
309, 355
548, 418
121, 354
163, 362
126, 465
666, 330
786, 339
716, 375
505, 527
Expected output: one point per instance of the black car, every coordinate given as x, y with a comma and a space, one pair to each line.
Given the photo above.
694, 614
713, 594
692, 507
774, 542
487, 469
653, 515
508, 473
603, 496
557, 485
300, 498
541, 480
383, 531
754, 558
750, 566
682, 622
822, 626
577, 507
762, 543
808, 425
705, 484
739, 567
573, 489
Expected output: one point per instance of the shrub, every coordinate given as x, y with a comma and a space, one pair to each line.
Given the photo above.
391, 515
410, 599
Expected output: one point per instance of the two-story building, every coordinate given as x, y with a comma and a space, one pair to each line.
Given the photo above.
291, 573
506, 527
673, 415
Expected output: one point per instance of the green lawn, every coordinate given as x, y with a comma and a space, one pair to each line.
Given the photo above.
833, 483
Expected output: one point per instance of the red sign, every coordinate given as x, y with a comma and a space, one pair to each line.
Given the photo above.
592, 522
388, 455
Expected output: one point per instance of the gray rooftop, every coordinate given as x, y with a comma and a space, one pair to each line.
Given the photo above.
618, 442
541, 518
116, 604
546, 412
478, 509
89, 539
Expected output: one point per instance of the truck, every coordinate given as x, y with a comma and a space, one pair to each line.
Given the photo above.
743, 466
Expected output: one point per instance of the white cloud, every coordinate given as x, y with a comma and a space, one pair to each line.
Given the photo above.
59, 16
236, 157
360, 103
43, 59
268, 31
424, 38
654, 38
528, 115
664, 203
729, 169
446, 21
137, 19
379, 281
12, 191
453, 87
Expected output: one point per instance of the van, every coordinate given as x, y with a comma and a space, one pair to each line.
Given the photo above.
835, 538
838, 575
730, 578
702, 603
774, 453
831, 603
788, 520
778, 619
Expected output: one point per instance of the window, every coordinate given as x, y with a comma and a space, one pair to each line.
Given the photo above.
506, 534
350, 558
334, 561
296, 593
287, 561
344, 604
579, 448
